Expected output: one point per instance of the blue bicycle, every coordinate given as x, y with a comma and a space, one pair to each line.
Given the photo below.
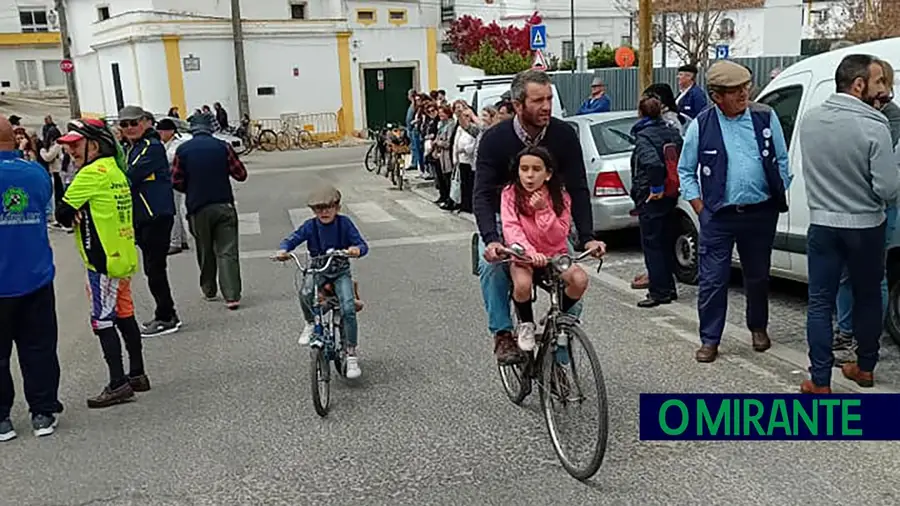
326, 343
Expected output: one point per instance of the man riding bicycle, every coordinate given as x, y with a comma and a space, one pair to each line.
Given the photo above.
532, 97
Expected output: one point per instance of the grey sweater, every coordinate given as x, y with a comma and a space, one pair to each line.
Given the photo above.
849, 164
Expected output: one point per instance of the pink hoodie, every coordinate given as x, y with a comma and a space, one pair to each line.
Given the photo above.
543, 232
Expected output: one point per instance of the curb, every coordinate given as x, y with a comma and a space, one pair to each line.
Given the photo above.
688, 313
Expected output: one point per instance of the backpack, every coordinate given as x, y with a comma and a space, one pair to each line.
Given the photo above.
672, 185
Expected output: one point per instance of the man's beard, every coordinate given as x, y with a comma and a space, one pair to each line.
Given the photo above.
868, 98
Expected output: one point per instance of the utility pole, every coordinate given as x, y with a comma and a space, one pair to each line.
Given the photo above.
71, 89
240, 68
645, 49
664, 38
572, 33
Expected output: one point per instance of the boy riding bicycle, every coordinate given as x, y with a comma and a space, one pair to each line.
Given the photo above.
329, 230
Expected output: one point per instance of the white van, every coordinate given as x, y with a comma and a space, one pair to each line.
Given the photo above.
481, 92
793, 92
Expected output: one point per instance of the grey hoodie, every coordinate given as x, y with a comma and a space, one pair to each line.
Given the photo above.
849, 164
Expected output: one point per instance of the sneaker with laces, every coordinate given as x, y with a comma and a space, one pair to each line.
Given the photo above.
7, 432
353, 370
44, 425
525, 336
305, 335
156, 328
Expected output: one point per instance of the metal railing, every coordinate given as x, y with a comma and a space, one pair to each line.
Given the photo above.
322, 126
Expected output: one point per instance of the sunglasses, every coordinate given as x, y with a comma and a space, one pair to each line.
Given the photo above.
125, 123
321, 207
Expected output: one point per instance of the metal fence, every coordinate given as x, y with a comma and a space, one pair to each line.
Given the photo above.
622, 84
322, 126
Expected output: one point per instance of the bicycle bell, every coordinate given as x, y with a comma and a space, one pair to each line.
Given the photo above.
517, 248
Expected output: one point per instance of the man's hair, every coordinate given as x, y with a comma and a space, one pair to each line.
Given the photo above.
505, 104
521, 81
852, 67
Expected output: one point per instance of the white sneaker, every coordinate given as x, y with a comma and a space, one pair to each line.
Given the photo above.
525, 336
304, 336
353, 370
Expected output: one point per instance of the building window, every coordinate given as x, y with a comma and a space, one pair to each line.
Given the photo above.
53, 76
33, 20
102, 13
298, 10
568, 50
265, 90
626, 40
397, 16
726, 29
365, 16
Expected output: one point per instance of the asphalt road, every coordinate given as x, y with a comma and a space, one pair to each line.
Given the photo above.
229, 420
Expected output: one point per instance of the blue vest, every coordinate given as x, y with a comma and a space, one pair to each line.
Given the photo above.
204, 160
714, 167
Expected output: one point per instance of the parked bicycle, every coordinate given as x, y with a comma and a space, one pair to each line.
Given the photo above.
560, 376
398, 146
376, 156
326, 343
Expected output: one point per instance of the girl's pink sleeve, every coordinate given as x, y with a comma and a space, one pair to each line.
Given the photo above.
555, 228
509, 217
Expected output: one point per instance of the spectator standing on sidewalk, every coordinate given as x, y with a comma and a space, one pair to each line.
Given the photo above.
154, 211
168, 134
734, 172
851, 174
691, 98
201, 170
844, 343
27, 299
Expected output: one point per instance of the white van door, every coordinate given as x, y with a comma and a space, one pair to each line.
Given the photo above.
787, 102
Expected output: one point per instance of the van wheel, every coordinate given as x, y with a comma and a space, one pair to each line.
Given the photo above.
892, 319
686, 248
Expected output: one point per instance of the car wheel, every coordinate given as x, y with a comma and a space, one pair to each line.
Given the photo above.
686, 248
892, 319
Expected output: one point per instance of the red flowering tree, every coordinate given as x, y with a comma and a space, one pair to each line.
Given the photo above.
467, 33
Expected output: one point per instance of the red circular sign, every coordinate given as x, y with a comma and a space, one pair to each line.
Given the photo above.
66, 66
624, 57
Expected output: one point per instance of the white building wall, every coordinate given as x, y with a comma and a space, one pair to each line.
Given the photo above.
207, 85
151, 77
124, 56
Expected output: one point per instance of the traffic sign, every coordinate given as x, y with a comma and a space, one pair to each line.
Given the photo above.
624, 57
66, 66
540, 62
538, 38
722, 51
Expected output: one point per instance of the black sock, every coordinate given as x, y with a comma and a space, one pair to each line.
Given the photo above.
112, 353
567, 302
523, 309
131, 334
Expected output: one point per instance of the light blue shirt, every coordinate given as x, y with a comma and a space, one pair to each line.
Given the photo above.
745, 182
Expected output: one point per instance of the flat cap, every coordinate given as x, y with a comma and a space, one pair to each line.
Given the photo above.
726, 74
324, 196
133, 112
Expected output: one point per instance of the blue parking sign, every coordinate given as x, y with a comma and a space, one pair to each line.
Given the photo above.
721, 51
538, 38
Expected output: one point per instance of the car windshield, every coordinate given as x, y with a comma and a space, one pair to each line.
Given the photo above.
613, 136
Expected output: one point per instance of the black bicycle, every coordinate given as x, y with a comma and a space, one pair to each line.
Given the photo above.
376, 156
564, 381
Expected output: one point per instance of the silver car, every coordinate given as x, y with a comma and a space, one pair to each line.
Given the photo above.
607, 144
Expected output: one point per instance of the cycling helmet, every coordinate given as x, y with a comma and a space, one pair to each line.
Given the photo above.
325, 196
91, 129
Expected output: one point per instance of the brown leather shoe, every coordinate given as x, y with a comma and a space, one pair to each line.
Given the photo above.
506, 351
641, 282
808, 387
761, 341
852, 372
110, 397
707, 353
139, 383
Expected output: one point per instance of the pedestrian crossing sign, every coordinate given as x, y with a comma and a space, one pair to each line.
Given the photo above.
538, 37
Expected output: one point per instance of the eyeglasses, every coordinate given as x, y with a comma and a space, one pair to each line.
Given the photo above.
125, 123
321, 207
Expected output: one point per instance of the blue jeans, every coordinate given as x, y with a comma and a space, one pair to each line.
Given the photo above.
415, 148
845, 294
343, 288
496, 288
827, 251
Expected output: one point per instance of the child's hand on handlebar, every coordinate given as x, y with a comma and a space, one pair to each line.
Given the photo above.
539, 260
353, 251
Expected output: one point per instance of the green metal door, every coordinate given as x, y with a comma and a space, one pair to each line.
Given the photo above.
385, 91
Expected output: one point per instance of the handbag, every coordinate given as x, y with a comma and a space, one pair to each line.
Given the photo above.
455, 186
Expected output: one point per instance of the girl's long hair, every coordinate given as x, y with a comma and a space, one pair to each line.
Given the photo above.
554, 184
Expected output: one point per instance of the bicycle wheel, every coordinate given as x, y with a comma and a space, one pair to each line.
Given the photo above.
305, 139
371, 158
320, 377
516, 381
566, 380
284, 141
268, 140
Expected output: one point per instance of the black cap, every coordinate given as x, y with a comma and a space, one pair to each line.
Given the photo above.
14, 120
688, 68
166, 124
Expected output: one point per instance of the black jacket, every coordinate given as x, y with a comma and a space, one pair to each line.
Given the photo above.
648, 167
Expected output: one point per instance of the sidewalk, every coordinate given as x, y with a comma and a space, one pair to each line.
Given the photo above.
787, 317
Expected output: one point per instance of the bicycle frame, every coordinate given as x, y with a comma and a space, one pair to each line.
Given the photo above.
327, 315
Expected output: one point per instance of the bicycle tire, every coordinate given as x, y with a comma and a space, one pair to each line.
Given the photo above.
548, 366
372, 154
516, 394
284, 141
268, 140
319, 366
305, 139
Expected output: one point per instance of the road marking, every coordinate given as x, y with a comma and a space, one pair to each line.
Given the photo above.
311, 168
421, 209
370, 212
248, 223
298, 216
384, 243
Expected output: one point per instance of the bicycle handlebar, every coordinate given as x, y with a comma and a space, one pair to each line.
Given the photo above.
330, 255
560, 262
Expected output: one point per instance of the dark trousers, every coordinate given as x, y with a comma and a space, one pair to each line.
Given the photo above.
828, 250
466, 186
442, 181
658, 243
58, 188
753, 230
29, 321
215, 230
152, 237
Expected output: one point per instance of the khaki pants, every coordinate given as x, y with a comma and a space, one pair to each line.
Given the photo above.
215, 231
